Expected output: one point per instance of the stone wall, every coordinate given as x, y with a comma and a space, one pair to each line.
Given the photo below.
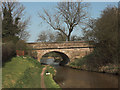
71, 49
45, 45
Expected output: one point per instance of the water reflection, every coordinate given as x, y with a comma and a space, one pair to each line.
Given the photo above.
49, 61
71, 78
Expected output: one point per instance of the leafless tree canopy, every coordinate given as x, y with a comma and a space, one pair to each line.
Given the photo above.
42, 37
16, 8
68, 15
17, 11
24, 35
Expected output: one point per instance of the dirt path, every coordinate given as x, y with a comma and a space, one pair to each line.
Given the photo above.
42, 78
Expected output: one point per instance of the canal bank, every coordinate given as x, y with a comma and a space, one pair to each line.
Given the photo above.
48, 78
108, 69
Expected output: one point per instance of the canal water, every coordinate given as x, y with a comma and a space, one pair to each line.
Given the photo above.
71, 78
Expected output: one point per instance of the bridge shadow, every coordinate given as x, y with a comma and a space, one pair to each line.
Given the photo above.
55, 57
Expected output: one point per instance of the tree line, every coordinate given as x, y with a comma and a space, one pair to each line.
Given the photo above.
48, 36
104, 32
13, 23
13, 29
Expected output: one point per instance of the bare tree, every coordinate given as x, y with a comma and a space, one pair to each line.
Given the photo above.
46, 36
17, 12
42, 37
16, 8
24, 35
67, 17
60, 37
51, 36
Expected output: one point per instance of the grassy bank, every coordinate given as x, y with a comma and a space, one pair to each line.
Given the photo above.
31, 79
21, 73
49, 82
24, 72
89, 64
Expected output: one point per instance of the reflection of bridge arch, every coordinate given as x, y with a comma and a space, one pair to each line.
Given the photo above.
64, 56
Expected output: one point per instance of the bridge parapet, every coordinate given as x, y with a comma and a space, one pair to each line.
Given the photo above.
70, 44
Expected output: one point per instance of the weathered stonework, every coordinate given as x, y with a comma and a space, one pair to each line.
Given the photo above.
70, 49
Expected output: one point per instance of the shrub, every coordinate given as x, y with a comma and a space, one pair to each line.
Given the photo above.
21, 45
8, 51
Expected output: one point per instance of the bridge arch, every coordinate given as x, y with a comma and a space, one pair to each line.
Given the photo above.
65, 57
72, 50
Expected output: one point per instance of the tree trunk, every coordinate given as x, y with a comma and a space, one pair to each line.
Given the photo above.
68, 37
70, 30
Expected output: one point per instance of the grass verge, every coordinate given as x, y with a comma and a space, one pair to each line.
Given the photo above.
31, 79
49, 82
21, 73
89, 64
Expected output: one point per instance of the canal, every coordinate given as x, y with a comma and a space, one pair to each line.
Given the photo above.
71, 78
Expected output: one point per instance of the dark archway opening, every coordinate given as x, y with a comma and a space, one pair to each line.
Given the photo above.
55, 58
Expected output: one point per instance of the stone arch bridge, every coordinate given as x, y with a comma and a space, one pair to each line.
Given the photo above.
68, 50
